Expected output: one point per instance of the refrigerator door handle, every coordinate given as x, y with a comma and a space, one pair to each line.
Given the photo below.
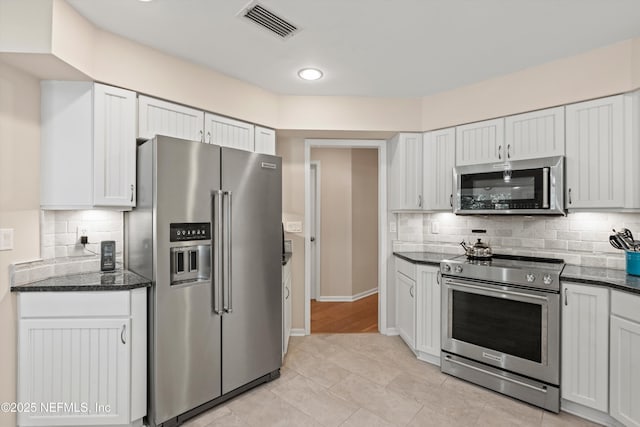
228, 249
216, 252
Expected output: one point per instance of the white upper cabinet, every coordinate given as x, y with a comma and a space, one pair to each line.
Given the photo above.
228, 132
158, 117
88, 146
481, 142
439, 150
405, 177
265, 140
535, 134
585, 345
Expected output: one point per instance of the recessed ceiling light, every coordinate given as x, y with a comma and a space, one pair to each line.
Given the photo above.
310, 74
145, 1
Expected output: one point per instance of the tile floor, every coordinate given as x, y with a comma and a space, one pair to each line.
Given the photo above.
369, 380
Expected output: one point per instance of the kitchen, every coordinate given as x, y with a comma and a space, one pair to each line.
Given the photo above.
70, 54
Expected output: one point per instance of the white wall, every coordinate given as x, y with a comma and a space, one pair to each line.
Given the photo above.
19, 205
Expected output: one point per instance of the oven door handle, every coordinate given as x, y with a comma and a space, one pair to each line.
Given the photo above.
486, 290
466, 365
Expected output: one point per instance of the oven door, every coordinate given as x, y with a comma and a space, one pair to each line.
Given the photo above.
519, 187
508, 327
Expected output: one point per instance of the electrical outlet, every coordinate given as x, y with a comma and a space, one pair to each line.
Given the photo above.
435, 227
82, 230
293, 227
6, 239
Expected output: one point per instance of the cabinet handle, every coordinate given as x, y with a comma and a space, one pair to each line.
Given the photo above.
566, 298
500, 152
451, 200
208, 137
201, 135
411, 291
419, 201
569, 196
288, 293
132, 187
508, 151
122, 334
438, 276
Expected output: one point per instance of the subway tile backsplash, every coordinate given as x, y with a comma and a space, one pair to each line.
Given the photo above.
578, 238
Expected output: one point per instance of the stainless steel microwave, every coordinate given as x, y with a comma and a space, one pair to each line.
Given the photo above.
521, 187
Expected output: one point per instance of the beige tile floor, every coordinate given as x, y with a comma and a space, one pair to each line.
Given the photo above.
369, 380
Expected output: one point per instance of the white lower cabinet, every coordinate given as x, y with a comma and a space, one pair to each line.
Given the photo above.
585, 345
286, 306
625, 358
428, 314
82, 358
405, 301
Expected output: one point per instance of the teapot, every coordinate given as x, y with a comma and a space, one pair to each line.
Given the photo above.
479, 251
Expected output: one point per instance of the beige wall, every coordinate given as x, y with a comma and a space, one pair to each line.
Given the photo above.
364, 185
335, 220
19, 205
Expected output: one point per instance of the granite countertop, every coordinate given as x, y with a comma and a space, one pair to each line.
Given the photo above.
119, 280
429, 258
615, 279
286, 257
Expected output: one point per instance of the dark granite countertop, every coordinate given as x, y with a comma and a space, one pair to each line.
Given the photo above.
615, 279
119, 280
286, 257
428, 258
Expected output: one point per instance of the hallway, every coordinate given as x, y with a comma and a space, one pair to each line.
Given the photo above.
345, 317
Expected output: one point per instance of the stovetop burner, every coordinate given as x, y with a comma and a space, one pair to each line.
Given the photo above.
534, 272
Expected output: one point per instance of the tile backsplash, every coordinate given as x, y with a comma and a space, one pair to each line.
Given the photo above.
579, 238
60, 238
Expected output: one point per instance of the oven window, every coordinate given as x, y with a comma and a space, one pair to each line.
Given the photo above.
518, 189
507, 326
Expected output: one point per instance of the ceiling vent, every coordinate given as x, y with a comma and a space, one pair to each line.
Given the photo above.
269, 20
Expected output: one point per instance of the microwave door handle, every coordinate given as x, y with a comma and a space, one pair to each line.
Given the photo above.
545, 188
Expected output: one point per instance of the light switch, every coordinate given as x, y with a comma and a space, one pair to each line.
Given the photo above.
6, 239
435, 227
293, 227
393, 227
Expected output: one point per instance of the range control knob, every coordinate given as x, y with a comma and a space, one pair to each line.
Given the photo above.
531, 277
446, 268
547, 280
458, 269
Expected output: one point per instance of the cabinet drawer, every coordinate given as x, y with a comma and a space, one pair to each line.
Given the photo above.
406, 268
74, 304
626, 305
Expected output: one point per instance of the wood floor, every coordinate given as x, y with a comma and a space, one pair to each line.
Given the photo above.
345, 317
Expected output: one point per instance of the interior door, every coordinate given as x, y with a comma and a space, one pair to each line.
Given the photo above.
252, 323
314, 233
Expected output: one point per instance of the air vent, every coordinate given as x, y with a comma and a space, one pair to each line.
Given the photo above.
269, 20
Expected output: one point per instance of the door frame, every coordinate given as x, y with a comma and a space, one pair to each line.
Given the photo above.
318, 216
381, 146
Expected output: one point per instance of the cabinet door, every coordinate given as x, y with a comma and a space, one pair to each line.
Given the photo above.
481, 142
585, 345
406, 172
157, 117
428, 311
535, 134
286, 323
405, 308
84, 363
265, 141
114, 146
437, 175
625, 371
228, 132
595, 154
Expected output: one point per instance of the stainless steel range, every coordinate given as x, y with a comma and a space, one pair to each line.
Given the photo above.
501, 325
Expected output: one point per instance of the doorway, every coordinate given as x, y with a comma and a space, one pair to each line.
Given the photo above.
345, 244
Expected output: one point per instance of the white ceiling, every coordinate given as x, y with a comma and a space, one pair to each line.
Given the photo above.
404, 48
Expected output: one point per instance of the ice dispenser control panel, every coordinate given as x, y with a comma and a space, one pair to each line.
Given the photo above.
190, 263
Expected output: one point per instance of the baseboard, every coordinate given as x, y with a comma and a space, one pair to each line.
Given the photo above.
392, 332
429, 358
348, 298
589, 413
297, 333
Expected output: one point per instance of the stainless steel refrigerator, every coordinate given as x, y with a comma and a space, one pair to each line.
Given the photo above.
207, 231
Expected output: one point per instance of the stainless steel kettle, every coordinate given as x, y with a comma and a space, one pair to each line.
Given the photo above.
480, 250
